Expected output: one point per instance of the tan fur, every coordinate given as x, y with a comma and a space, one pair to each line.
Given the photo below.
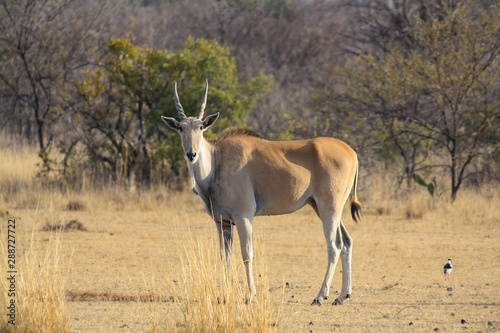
284, 175
234, 132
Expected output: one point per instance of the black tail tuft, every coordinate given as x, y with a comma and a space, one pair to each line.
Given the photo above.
356, 210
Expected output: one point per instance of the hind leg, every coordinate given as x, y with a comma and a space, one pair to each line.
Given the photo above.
345, 256
333, 235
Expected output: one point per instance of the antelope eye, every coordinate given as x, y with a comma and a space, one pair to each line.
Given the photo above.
201, 127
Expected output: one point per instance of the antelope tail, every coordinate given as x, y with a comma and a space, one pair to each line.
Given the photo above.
355, 204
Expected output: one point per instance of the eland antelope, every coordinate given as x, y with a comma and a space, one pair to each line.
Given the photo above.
241, 175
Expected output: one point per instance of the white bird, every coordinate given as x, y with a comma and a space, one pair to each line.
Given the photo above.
447, 268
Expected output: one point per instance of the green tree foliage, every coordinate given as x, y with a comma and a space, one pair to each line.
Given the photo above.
443, 93
121, 103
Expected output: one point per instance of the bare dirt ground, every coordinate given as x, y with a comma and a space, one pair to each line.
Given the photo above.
120, 272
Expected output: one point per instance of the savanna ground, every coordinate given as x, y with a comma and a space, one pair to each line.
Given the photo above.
122, 261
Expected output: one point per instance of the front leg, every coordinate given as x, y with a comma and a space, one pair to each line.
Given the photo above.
245, 232
225, 231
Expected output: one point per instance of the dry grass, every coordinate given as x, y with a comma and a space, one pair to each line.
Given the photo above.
416, 206
17, 174
218, 301
75, 205
149, 261
72, 225
39, 285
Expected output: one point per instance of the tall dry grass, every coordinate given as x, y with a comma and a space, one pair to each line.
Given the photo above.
22, 187
214, 296
21, 184
382, 195
39, 283
17, 176
211, 296
40, 304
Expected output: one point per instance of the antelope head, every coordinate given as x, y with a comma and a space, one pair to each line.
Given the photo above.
191, 129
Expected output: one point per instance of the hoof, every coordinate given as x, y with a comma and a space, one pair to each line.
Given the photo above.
337, 302
340, 301
316, 302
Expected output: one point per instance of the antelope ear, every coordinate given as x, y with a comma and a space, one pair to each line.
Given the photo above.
210, 120
172, 123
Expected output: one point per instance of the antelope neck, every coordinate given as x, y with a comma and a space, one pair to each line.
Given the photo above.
201, 171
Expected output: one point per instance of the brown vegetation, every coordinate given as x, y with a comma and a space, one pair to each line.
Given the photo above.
150, 262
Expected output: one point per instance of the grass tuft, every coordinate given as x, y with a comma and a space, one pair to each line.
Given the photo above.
75, 205
73, 225
39, 289
214, 296
415, 207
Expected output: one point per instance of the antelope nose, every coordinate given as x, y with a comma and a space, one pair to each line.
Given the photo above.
191, 156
